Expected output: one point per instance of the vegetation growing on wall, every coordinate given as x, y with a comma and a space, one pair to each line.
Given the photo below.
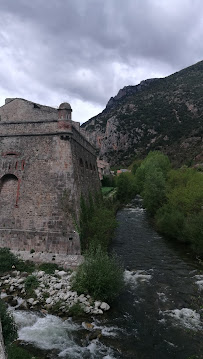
97, 222
101, 275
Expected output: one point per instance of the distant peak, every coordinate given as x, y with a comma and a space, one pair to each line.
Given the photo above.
129, 90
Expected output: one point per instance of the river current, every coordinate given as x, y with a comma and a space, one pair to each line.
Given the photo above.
158, 315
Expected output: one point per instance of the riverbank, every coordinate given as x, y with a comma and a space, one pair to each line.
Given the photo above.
51, 293
63, 260
158, 314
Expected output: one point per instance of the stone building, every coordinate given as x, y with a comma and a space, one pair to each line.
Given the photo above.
103, 168
46, 164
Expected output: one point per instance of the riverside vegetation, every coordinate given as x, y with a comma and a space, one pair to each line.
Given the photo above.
101, 274
46, 287
173, 198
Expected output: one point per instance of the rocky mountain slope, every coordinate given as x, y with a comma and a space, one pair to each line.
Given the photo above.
164, 114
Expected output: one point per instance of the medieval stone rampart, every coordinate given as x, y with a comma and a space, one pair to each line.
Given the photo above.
45, 166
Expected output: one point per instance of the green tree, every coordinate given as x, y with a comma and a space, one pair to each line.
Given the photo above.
170, 221
193, 231
184, 190
181, 217
154, 160
126, 187
154, 190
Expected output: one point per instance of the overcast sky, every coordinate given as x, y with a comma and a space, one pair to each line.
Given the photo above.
84, 51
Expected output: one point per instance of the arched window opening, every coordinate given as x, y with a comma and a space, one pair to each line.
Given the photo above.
90, 166
86, 165
8, 191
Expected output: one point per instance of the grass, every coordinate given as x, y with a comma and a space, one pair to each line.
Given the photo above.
106, 190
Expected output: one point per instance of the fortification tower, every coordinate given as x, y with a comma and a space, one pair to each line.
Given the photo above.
45, 165
65, 111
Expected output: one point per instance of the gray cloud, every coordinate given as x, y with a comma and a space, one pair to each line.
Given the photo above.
85, 50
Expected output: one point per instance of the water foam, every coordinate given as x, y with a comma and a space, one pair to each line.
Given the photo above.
135, 209
48, 332
162, 297
199, 281
185, 317
136, 277
51, 332
94, 350
108, 331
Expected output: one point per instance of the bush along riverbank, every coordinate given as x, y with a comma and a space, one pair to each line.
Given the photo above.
174, 198
101, 274
51, 293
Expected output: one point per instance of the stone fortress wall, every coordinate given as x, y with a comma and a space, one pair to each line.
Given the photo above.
46, 164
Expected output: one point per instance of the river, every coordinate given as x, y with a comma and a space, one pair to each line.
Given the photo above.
158, 315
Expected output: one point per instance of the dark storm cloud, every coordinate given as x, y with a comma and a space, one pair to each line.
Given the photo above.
88, 49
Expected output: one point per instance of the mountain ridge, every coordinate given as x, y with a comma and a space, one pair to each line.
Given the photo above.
164, 114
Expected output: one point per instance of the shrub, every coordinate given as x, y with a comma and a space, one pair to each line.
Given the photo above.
100, 275
31, 283
8, 326
7, 260
25, 266
75, 310
170, 221
49, 268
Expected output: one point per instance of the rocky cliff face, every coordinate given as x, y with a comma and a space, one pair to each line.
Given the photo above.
164, 114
